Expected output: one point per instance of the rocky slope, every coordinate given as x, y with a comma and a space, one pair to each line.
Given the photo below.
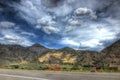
112, 54
16, 54
66, 55
75, 57
38, 49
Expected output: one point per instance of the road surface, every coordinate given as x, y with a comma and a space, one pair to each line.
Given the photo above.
54, 75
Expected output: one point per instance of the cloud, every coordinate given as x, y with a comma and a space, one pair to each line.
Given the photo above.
30, 10
72, 20
28, 33
91, 35
85, 12
47, 25
45, 21
88, 44
92, 43
57, 7
51, 3
72, 25
63, 10
69, 42
6, 24
11, 37
50, 29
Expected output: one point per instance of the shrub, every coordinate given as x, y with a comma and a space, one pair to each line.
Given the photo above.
15, 66
42, 67
75, 68
93, 71
64, 68
113, 68
49, 68
57, 68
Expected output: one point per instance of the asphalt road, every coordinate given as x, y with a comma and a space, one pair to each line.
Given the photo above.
54, 75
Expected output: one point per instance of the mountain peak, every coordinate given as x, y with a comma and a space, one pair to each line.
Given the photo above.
113, 47
66, 48
37, 45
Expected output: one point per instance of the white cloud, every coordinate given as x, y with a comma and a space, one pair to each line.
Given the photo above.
45, 21
70, 1
62, 10
85, 12
105, 34
47, 25
10, 37
73, 22
50, 29
6, 24
30, 5
69, 42
30, 10
58, 8
91, 34
72, 25
69, 29
92, 43
27, 33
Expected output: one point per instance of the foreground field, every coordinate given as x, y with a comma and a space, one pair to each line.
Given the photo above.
54, 75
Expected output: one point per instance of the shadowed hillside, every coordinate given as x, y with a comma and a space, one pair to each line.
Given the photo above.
66, 55
15, 53
112, 54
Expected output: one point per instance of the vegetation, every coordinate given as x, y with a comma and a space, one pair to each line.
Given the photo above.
38, 57
55, 67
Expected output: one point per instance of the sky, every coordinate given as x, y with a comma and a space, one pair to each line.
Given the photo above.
79, 24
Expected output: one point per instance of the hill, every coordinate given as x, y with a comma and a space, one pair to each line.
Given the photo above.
70, 56
112, 54
16, 54
66, 55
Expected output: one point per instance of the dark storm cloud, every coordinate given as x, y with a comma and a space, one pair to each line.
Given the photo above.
7, 3
109, 8
12, 26
8, 12
51, 3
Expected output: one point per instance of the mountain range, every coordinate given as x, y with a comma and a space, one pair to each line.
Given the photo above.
37, 53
